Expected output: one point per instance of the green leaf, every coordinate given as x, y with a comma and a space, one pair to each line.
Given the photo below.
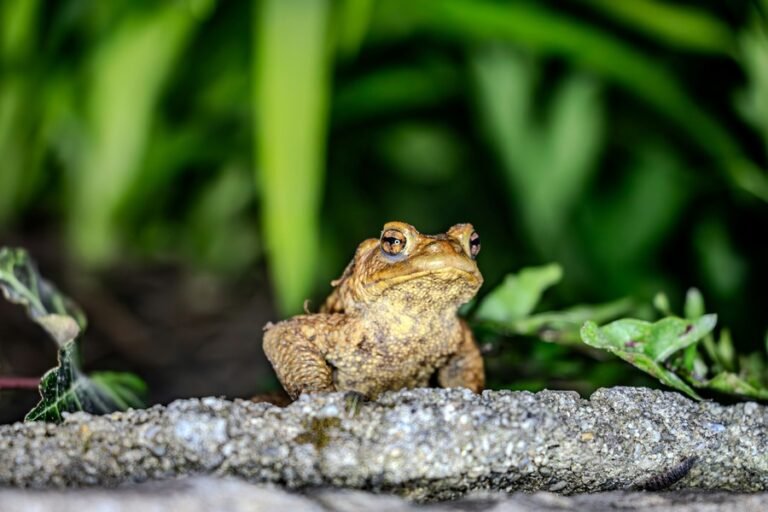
752, 368
547, 160
731, 383
661, 303
516, 297
291, 81
394, 90
648, 345
421, 152
551, 32
128, 71
726, 355
124, 389
623, 231
752, 54
21, 283
683, 26
694, 304
24, 129
692, 362
722, 263
658, 340
353, 19
64, 388
563, 326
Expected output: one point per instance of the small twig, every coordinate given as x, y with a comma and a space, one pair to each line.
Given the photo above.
19, 383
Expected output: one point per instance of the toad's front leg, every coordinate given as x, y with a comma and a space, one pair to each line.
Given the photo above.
297, 349
465, 368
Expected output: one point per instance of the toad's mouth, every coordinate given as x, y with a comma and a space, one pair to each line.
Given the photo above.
443, 273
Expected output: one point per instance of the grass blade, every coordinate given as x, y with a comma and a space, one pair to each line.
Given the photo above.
290, 100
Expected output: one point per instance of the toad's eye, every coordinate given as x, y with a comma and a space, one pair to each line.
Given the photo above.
392, 242
474, 244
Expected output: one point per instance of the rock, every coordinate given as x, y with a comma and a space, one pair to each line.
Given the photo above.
205, 494
426, 444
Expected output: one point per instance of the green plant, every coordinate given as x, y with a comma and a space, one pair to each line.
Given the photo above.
679, 351
290, 96
64, 388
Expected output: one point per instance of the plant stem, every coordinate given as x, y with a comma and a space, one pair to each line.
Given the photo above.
19, 383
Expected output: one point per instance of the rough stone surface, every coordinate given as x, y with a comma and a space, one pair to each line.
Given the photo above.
208, 494
425, 444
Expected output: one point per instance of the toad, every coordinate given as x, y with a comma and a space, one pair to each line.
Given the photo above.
391, 320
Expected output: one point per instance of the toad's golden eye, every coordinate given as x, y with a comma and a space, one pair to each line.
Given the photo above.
392, 242
474, 244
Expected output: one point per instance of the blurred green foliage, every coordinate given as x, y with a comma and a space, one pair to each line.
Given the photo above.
627, 141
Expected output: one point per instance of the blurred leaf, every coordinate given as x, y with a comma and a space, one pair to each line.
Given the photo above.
128, 70
628, 228
575, 134
691, 363
720, 263
63, 388
699, 370
21, 283
516, 297
648, 345
694, 304
218, 233
547, 32
18, 19
684, 26
387, 91
22, 127
726, 355
66, 389
507, 309
546, 164
688, 363
351, 25
730, 383
564, 325
421, 153
694, 309
661, 303
753, 368
291, 74
753, 54
124, 389
623, 231
506, 82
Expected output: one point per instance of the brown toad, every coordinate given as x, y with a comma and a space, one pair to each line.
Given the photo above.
391, 320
